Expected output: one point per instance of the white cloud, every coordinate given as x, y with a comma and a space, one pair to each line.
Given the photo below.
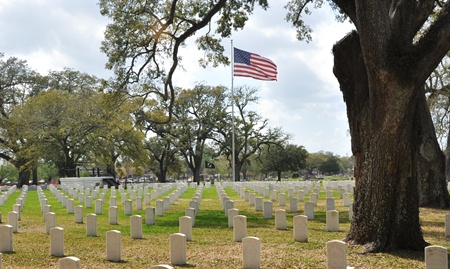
305, 101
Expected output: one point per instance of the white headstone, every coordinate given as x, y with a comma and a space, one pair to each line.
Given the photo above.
88, 202
228, 205
336, 254
177, 249
330, 204
6, 238
268, 210
57, 241
70, 206
128, 207
436, 257
79, 214
113, 215
159, 208
293, 205
50, 221
259, 204
301, 195
185, 227
166, 203
136, 226
17, 208
91, 224
239, 227
139, 203
313, 198
13, 220
309, 210
147, 198
112, 201
332, 219
252, 198
282, 199
69, 263
99, 207
280, 219
273, 195
231, 214
301, 228
347, 201
251, 248
329, 194
150, 216
113, 245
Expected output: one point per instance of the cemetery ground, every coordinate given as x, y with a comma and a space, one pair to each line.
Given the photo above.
212, 244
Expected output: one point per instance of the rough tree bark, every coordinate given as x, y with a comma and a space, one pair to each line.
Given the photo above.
386, 202
381, 71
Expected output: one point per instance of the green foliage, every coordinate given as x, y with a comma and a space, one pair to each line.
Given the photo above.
8, 172
47, 171
17, 83
328, 164
295, 175
61, 124
283, 158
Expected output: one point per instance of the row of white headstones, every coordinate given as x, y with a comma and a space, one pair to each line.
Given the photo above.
435, 256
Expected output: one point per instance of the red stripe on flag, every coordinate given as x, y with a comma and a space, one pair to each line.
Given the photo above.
259, 68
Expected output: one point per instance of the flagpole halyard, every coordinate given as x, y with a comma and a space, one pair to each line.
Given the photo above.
233, 164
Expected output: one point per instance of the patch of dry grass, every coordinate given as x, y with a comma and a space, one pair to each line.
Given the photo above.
212, 245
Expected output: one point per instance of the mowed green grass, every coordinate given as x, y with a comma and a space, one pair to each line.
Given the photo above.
212, 246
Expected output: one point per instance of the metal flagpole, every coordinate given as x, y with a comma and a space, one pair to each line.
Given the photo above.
232, 112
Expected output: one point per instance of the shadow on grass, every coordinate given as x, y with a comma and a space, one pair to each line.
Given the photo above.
406, 254
432, 224
211, 218
217, 219
9, 252
118, 262
186, 265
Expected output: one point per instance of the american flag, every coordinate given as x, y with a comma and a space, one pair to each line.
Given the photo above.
247, 64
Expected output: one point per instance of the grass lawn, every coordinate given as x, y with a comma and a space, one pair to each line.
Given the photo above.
212, 245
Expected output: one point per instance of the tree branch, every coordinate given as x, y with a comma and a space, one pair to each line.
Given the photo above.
434, 44
206, 19
424, 9
348, 7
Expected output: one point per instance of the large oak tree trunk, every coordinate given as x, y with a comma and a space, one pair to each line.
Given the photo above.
386, 204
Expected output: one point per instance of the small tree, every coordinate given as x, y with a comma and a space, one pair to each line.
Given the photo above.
283, 158
330, 166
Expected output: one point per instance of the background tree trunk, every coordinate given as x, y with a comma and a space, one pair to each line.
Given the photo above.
386, 204
431, 160
111, 170
35, 175
447, 158
237, 169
